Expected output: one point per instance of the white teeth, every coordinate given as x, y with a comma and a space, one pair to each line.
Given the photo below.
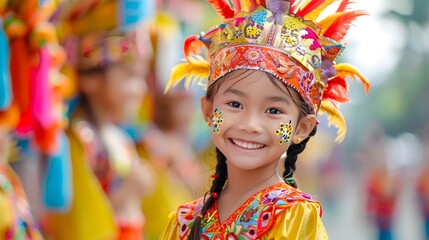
247, 145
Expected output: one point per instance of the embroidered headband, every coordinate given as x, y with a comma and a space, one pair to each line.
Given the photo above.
103, 49
296, 41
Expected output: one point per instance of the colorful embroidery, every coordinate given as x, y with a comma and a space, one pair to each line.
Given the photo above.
260, 17
254, 56
252, 220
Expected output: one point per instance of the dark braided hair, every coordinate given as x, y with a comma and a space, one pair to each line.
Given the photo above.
292, 156
217, 186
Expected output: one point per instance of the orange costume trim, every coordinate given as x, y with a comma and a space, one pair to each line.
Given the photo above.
130, 231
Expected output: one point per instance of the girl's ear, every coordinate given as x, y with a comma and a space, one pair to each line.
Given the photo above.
206, 109
303, 128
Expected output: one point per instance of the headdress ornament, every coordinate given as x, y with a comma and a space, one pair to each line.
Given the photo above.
296, 41
97, 33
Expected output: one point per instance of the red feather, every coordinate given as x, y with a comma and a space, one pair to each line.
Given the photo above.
338, 29
339, 81
192, 45
335, 93
337, 90
309, 7
222, 8
343, 5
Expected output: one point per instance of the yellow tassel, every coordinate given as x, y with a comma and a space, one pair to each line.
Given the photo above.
347, 70
335, 118
195, 70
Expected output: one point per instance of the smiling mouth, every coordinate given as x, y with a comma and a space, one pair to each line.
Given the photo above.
247, 145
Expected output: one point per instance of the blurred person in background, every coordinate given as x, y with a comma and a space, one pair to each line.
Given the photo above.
422, 184
166, 141
16, 220
108, 177
382, 186
32, 90
167, 144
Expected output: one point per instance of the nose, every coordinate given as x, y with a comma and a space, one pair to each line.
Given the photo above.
251, 122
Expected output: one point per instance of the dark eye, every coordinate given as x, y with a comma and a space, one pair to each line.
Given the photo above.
235, 105
273, 111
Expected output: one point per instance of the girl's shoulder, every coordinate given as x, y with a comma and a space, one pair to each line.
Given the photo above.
256, 216
278, 195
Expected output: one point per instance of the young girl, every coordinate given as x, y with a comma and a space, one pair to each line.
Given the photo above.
270, 71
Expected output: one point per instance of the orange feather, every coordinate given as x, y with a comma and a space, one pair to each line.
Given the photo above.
248, 5
344, 5
335, 26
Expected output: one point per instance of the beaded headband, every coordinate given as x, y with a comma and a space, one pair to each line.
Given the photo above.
289, 39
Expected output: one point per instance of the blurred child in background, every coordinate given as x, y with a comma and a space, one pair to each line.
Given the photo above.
108, 177
423, 182
167, 141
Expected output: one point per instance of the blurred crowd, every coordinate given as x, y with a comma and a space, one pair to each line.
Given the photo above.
92, 148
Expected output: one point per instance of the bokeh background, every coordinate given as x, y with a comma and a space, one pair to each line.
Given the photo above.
378, 175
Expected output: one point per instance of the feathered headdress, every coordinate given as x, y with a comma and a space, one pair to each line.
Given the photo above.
296, 41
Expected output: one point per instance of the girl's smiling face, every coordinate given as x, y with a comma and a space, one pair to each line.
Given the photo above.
253, 108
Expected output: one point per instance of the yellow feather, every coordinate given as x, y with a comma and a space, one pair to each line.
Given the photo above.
335, 118
246, 5
195, 70
347, 70
313, 15
300, 4
325, 23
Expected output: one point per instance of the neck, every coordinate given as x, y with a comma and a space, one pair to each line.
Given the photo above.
247, 182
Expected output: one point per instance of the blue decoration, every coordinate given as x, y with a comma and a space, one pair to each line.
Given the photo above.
134, 11
5, 80
260, 17
57, 191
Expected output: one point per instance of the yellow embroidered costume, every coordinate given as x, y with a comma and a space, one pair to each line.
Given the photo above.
277, 212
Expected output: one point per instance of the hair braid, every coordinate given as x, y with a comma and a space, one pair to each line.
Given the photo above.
292, 157
217, 186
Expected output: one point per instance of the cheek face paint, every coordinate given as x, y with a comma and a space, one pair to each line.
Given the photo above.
217, 120
285, 132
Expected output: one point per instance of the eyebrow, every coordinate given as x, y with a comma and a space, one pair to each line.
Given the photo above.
279, 99
236, 92
271, 98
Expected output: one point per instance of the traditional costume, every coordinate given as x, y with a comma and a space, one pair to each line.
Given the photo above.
297, 42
